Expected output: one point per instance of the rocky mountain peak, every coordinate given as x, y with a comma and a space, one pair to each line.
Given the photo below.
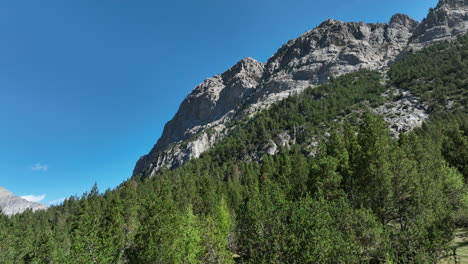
448, 19
5, 193
11, 204
245, 65
210, 103
403, 20
245, 71
332, 49
329, 23
452, 3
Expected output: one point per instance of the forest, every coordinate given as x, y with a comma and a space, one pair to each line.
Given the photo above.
346, 191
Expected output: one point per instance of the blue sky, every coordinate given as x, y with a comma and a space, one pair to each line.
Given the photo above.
87, 86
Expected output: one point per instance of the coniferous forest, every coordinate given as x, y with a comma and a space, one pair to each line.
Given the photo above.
346, 191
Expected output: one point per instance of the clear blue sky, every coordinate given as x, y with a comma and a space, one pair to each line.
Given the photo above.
86, 86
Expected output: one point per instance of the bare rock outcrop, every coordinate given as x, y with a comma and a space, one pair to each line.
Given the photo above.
11, 204
404, 113
332, 49
449, 19
209, 105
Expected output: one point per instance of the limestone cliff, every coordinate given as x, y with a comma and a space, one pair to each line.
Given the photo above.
447, 20
332, 49
11, 204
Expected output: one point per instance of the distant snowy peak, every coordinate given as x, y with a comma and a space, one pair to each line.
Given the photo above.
11, 204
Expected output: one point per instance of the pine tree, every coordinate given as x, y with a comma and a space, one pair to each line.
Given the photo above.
86, 241
112, 229
45, 249
371, 168
217, 228
7, 249
189, 240
129, 198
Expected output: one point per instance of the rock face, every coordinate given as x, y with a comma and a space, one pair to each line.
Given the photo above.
332, 49
403, 114
210, 104
447, 20
11, 204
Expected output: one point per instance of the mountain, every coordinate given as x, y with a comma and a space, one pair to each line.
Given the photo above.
315, 178
332, 49
447, 20
11, 204
367, 167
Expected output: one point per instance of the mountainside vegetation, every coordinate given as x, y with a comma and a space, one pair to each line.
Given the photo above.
438, 74
341, 190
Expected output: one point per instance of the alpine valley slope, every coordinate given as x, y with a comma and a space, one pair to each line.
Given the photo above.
332, 49
11, 204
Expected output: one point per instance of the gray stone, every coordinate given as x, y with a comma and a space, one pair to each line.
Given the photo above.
449, 19
210, 104
332, 49
11, 204
403, 114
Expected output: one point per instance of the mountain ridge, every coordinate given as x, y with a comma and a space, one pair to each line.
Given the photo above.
331, 49
11, 204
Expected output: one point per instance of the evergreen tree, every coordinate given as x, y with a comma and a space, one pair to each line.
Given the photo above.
45, 249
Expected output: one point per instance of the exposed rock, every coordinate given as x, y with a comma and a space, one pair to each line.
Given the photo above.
285, 140
11, 204
330, 50
181, 152
271, 148
403, 114
447, 20
211, 103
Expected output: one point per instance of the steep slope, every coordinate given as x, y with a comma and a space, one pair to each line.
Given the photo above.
268, 193
448, 19
11, 204
212, 103
422, 85
332, 49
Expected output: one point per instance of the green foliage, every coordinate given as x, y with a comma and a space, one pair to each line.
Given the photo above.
190, 238
439, 74
304, 117
357, 196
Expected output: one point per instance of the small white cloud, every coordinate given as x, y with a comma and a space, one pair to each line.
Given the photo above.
56, 202
34, 198
40, 167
